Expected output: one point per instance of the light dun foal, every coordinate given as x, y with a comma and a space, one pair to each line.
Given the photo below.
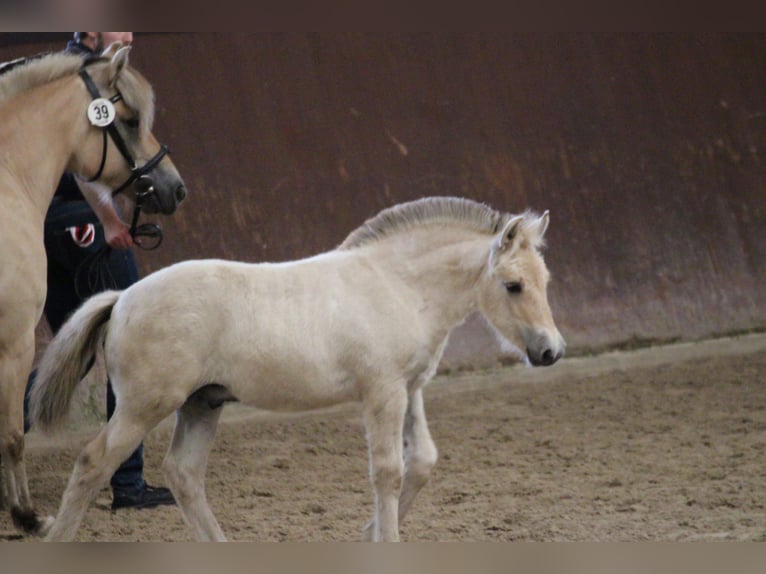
365, 322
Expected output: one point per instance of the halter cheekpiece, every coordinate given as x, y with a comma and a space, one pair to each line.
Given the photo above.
111, 129
139, 175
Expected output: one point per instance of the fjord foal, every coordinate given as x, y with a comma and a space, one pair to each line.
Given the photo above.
366, 322
59, 114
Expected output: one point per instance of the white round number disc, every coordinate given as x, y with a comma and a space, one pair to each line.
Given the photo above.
101, 112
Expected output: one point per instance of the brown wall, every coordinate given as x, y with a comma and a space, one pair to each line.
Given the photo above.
647, 149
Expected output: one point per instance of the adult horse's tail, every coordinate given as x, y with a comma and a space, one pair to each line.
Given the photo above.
67, 359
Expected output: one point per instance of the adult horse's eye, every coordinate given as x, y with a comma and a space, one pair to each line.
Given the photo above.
514, 287
132, 123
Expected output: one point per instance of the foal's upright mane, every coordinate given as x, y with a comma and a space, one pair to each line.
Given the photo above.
471, 214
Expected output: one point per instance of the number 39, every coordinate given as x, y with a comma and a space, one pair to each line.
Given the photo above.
101, 112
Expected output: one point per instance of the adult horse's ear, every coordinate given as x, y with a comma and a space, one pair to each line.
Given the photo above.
505, 239
109, 52
118, 62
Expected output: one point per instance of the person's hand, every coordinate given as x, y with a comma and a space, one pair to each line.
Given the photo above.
116, 231
117, 235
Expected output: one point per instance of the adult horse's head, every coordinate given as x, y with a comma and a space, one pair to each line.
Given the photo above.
514, 291
120, 150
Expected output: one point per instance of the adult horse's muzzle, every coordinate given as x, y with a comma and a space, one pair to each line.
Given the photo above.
159, 187
160, 192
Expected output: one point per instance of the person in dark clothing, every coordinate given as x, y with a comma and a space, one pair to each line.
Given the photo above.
88, 251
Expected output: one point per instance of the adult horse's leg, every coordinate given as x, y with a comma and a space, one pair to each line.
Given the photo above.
185, 465
420, 456
12, 424
95, 465
384, 418
15, 363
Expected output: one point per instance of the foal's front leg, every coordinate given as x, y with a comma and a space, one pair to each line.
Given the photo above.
419, 455
384, 419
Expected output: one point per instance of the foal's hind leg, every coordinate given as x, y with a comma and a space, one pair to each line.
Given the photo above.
95, 465
420, 456
185, 465
420, 453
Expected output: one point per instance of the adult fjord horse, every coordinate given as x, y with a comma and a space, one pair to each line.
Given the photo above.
60, 113
365, 322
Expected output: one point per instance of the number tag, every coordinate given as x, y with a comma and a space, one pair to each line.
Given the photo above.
101, 112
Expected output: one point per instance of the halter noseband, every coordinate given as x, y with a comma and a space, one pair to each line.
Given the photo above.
111, 129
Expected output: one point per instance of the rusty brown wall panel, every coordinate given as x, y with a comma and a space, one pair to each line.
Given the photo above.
647, 149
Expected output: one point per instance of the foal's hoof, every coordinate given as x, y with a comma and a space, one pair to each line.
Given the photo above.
45, 525
367, 533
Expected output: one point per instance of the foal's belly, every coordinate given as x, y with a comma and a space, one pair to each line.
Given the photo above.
278, 390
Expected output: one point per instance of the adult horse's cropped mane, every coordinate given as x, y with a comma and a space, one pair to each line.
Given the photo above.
472, 214
46, 68
36, 71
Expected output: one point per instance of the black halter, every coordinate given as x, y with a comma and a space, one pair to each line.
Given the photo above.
135, 171
137, 174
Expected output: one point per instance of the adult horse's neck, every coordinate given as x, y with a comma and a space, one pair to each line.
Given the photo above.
444, 265
40, 130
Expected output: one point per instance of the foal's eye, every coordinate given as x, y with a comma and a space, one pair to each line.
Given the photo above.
514, 287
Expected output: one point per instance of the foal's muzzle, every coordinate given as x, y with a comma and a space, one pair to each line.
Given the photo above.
543, 350
545, 358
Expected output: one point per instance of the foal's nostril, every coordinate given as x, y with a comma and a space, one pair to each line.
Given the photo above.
181, 193
545, 358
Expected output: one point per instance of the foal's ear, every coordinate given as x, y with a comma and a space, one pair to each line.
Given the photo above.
118, 61
542, 223
505, 239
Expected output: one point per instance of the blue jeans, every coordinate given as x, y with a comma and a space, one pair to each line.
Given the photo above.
74, 274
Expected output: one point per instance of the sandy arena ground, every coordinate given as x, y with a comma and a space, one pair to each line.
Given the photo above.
661, 444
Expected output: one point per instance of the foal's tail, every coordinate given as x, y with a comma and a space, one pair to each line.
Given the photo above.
68, 359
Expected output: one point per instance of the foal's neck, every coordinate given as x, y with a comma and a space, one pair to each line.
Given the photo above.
445, 267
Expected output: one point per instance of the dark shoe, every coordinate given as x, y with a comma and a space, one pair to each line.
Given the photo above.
149, 497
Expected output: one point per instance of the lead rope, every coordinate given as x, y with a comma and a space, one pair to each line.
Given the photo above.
99, 277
